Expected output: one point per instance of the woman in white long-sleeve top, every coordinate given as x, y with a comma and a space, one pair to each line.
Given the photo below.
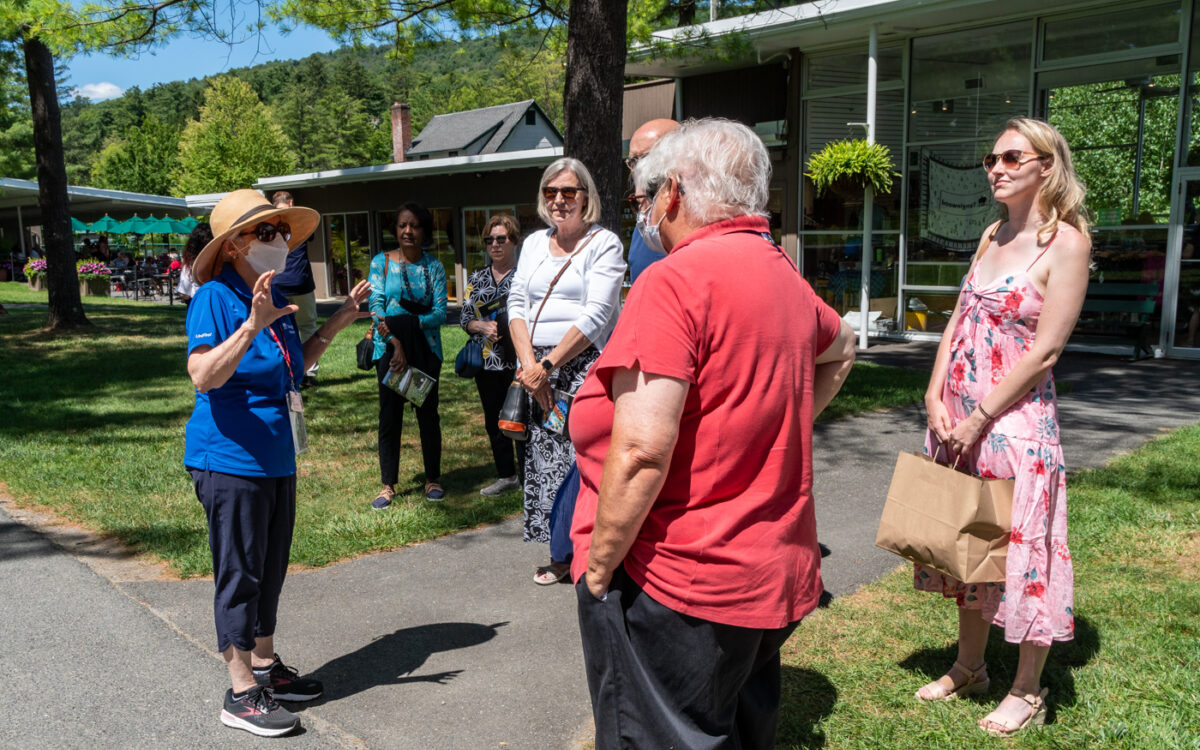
562, 306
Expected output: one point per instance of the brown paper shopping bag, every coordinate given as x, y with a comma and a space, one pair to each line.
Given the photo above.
947, 520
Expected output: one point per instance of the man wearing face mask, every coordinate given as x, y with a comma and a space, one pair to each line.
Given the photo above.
246, 359
296, 283
642, 253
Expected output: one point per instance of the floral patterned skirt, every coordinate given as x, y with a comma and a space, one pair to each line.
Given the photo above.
549, 455
1035, 602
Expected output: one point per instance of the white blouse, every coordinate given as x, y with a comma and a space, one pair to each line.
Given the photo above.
587, 296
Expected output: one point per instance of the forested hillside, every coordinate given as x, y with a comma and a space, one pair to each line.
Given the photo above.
333, 108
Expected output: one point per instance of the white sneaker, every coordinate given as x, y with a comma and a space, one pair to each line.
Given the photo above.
499, 487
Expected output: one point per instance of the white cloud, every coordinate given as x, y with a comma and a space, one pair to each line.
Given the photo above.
98, 91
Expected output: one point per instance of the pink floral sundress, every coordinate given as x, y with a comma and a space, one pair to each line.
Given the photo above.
996, 327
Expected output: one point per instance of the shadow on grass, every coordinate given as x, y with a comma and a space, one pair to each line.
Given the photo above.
391, 659
808, 697
1001, 658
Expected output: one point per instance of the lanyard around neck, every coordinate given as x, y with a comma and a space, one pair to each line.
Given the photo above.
287, 359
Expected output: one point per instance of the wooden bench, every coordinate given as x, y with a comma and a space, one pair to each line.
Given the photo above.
1123, 306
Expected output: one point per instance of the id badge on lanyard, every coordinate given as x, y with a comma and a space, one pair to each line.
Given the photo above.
295, 403
296, 417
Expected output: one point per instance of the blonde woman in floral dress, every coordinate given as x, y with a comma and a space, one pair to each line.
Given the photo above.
991, 399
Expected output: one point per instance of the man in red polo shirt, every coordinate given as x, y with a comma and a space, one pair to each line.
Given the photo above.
695, 539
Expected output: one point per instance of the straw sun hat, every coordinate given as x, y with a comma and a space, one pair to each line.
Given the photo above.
242, 210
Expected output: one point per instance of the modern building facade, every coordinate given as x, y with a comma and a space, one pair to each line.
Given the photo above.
949, 73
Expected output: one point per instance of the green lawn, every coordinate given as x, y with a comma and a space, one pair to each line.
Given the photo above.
93, 431
1129, 679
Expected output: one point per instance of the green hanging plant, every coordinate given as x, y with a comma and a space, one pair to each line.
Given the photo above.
855, 161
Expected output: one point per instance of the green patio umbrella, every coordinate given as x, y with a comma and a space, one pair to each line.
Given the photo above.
160, 226
182, 226
132, 225
78, 226
104, 224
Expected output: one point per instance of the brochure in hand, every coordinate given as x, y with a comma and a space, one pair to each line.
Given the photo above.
412, 384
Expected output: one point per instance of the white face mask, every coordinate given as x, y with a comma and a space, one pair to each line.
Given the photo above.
267, 256
649, 232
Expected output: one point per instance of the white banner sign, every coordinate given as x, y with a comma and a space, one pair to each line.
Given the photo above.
956, 204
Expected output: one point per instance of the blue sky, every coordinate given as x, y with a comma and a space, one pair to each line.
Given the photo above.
103, 77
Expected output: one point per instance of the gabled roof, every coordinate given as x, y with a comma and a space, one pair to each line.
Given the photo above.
457, 131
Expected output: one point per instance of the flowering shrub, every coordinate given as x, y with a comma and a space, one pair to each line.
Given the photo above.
35, 268
89, 270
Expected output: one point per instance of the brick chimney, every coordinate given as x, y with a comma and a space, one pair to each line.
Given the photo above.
401, 131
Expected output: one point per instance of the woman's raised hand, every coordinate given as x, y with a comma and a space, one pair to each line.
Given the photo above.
349, 312
263, 311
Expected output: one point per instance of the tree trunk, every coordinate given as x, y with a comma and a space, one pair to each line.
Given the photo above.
66, 310
592, 97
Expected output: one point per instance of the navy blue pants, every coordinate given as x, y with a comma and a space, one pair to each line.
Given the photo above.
661, 679
250, 522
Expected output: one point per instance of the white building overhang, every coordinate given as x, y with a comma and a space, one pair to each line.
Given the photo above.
822, 25
87, 203
496, 162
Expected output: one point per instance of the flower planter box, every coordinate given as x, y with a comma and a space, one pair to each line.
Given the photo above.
37, 283
94, 288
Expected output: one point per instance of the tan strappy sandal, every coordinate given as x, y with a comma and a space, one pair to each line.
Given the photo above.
977, 683
1004, 727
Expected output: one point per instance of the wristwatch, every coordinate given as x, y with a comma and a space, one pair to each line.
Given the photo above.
547, 365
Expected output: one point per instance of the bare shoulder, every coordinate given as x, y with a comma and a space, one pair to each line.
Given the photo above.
1071, 247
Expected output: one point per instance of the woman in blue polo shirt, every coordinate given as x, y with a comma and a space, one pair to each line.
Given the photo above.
246, 361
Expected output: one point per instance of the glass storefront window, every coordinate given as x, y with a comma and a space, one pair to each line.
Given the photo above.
850, 69
443, 248
349, 246
966, 84
833, 265
1108, 124
1132, 29
1136, 255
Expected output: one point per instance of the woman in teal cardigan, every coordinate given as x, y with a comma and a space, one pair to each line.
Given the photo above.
408, 301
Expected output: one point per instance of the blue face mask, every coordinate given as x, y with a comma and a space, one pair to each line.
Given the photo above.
650, 233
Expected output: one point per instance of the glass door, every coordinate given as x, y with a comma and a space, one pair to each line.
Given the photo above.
349, 244
1182, 314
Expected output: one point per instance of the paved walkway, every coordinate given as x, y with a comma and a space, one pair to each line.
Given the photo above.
447, 644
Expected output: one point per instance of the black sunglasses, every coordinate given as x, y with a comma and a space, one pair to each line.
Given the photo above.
568, 193
266, 231
1011, 159
635, 201
498, 239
